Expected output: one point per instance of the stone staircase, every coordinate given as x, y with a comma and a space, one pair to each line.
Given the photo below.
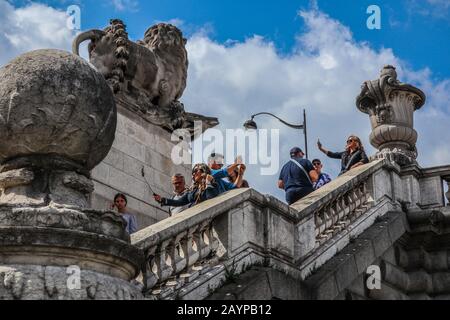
319, 247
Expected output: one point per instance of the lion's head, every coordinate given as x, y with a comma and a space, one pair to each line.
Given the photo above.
166, 38
163, 34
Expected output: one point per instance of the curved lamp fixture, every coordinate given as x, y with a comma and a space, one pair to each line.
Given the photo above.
251, 125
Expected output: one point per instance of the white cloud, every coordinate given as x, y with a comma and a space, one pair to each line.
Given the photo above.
123, 5
236, 79
32, 27
324, 73
175, 21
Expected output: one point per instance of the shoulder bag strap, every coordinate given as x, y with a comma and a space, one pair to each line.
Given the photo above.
303, 169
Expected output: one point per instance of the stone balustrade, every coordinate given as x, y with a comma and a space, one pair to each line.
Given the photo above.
339, 203
243, 228
442, 172
193, 252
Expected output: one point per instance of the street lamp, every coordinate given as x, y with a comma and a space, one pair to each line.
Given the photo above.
251, 124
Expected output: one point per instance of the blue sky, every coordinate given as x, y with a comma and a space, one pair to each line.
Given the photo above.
417, 30
278, 56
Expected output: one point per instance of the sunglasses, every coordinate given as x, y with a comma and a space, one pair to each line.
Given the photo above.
350, 140
316, 164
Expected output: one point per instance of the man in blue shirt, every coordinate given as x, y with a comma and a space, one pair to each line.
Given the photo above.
324, 178
215, 163
297, 176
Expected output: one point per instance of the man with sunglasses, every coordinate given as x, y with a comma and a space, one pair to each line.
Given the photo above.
324, 178
203, 188
353, 156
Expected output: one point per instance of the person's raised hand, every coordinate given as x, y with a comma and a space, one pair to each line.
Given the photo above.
112, 206
319, 144
157, 198
242, 169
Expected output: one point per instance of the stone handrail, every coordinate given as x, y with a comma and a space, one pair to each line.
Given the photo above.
239, 220
444, 173
340, 202
177, 243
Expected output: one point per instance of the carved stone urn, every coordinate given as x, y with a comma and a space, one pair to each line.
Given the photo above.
57, 122
391, 105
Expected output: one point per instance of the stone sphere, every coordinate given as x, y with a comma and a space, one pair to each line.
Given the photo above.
53, 103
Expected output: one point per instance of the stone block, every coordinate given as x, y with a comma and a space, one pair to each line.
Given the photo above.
346, 273
398, 188
305, 237
387, 292
380, 238
133, 167
101, 172
358, 286
129, 146
431, 192
115, 159
364, 254
282, 234
164, 163
137, 131
397, 226
247, 225
163, 146
411, 190
326, 290
284, 287
382, 184
255, 288
127, 184
441, 282
189, 277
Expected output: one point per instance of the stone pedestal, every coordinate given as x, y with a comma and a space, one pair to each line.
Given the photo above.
390, 105
57, 120
148, 78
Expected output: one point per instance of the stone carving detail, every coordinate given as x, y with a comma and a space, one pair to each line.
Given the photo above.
337, 215
58, 121
34, 282
390, 105
147, 76
52, 121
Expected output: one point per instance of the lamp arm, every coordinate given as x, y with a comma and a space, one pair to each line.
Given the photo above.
295, 126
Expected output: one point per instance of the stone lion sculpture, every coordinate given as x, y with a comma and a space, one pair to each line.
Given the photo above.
155, 67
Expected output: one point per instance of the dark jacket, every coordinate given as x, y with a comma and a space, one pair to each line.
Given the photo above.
347, 159
191, 196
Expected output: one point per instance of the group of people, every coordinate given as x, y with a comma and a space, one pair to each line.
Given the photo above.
208, 181
298, 178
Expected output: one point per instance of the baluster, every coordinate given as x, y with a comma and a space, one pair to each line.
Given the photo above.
352, 200
190, 247
151, 270
163, 261
339, 208
447, 194
320, 222
204, 239
178, 256
328, 217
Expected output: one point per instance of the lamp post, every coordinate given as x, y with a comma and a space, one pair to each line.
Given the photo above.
251, 124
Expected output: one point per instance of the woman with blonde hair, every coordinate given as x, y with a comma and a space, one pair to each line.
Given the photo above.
353, 156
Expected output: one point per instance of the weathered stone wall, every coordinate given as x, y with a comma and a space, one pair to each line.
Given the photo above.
137, 143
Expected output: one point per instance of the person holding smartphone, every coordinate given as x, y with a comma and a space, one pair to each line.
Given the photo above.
353, 156
203, 188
